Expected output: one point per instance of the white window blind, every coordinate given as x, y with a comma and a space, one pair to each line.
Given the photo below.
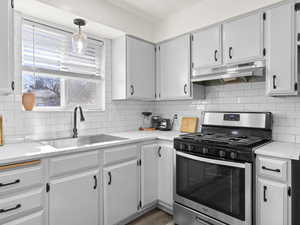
48, 50
59, 77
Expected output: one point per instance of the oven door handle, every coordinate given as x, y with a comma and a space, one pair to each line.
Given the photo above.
212, 161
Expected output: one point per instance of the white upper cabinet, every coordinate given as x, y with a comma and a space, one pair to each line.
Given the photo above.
243, 39
207, 48
174, 68
133, 72
6, 46
280, 39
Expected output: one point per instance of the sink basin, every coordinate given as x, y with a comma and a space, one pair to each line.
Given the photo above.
82, 141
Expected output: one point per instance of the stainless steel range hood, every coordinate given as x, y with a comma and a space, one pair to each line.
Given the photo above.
250, 69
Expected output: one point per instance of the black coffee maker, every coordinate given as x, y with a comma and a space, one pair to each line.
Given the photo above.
155, 121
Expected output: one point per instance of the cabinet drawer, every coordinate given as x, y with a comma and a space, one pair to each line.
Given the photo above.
19, 204
115, 155
20, 177
273, 168
74, 162
34, 219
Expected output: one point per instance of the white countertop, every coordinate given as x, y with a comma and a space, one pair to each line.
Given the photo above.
281, 150
11, 153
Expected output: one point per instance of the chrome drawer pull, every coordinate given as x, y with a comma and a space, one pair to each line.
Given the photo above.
8, 184
273, 170
10, 209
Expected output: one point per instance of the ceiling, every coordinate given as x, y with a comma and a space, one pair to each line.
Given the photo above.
44, 12
153, 10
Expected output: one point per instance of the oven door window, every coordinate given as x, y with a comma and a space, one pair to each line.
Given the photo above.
216, 186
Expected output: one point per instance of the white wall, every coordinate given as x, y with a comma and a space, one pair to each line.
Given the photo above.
104, 13
205, 13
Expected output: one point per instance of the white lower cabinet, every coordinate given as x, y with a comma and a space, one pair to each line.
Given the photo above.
272, 202
121, 191
165, 175
149, 174
74, 199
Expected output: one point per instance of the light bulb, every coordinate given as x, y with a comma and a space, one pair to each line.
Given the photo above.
79, 42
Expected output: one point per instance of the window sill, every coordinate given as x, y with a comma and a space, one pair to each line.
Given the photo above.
62, 110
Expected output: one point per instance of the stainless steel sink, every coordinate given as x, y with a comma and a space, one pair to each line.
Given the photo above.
81, 141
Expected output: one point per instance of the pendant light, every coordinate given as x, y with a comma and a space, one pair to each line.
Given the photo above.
79, 38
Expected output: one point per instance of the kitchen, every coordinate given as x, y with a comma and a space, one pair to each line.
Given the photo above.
83, 85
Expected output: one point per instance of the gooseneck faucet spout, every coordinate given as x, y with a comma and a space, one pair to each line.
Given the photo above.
75, 131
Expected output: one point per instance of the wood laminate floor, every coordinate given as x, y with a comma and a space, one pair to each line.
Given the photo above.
154, 217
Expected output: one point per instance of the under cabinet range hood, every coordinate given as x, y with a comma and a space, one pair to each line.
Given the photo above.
229, 72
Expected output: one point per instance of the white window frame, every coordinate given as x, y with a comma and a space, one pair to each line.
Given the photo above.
100, 106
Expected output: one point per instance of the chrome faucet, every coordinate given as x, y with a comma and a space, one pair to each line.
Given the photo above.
75, 131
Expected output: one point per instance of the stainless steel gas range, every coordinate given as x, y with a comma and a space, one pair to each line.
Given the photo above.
214, 169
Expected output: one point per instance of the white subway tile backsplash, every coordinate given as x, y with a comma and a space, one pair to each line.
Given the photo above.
243, 97
126, 115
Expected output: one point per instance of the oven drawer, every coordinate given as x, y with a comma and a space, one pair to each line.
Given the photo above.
187, 216
273, 168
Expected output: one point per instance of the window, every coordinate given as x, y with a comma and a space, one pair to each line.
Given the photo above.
59, 77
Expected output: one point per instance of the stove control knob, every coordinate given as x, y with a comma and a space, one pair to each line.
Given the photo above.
191, 147
205, 150
182, 146
222, 154
233, 155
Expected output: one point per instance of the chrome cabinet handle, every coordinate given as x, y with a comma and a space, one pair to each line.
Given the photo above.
230, 52
185, 89
274, 82
273, 170
11, 183
132, 89
265, 194
216, 58
96, 182
10, 209
110, 178
159, 152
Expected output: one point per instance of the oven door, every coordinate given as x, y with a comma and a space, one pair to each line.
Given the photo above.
217, 188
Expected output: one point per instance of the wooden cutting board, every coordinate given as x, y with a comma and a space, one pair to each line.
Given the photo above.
189, 124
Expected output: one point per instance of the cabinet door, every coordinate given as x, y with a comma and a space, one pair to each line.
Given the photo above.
174, 71
206, 48
272, 203
243, 39
6, 45
149, 174
74, 200
165, 175
281, 75
140, 69
121, 191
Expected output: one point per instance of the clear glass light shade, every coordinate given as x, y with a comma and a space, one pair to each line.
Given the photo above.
79, 42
